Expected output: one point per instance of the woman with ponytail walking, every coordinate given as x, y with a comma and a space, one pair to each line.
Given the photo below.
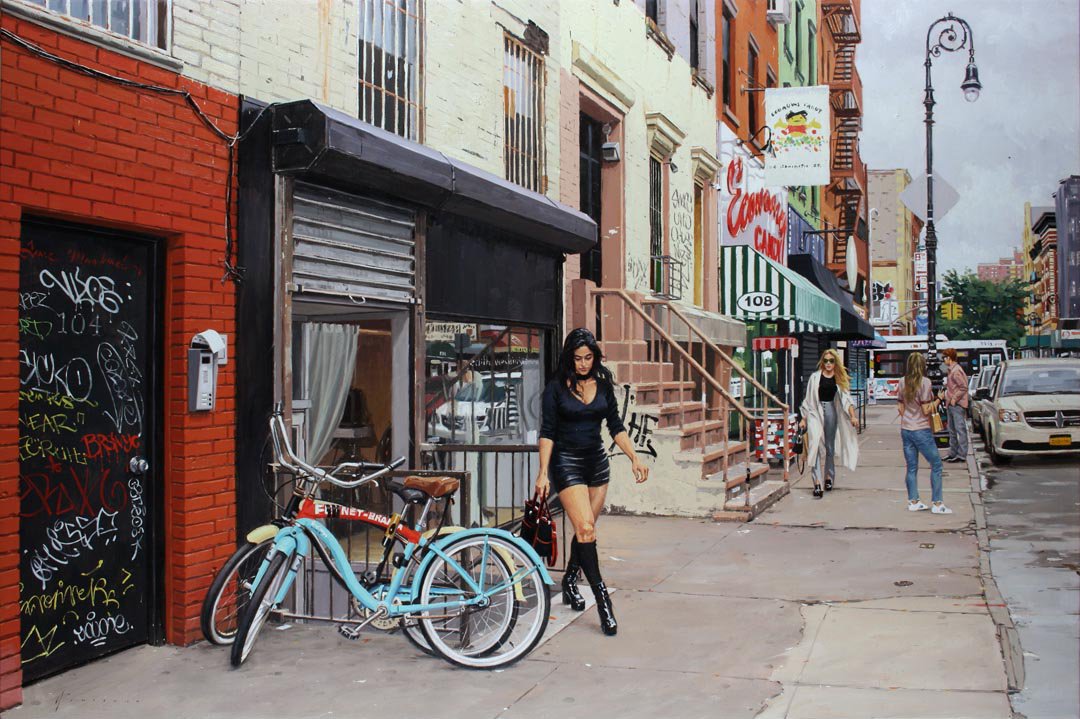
574, 463
828, 397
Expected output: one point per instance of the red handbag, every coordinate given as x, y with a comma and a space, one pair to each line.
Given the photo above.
538, 529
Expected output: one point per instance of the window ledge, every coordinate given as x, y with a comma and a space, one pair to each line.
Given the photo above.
731, 116
698, 78
658, 36
788, 55
94, 35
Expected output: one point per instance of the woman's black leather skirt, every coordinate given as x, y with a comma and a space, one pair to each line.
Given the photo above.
579, 466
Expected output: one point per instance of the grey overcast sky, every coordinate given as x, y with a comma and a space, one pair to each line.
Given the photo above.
1013, 145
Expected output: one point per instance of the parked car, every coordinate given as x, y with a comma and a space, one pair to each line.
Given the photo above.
976, 400
1033, 408
479, 408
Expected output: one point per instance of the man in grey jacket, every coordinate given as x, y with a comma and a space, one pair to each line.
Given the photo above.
956, 400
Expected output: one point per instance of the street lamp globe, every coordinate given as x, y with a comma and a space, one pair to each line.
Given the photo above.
971, 85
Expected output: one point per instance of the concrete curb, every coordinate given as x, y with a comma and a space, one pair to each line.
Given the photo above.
1011, 651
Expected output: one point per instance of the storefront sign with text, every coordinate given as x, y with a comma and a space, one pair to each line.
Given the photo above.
756, 216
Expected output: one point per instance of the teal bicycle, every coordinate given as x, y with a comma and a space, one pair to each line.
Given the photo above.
479, 598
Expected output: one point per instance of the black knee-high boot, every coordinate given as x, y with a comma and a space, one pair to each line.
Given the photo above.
590, 565
570, 594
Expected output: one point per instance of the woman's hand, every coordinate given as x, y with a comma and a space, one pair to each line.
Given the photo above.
641, 472
802, 424
543, 484
854, 421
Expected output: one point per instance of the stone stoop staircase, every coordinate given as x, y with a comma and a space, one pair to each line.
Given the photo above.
691, 450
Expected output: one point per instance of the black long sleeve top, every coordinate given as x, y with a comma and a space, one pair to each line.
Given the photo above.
572, 424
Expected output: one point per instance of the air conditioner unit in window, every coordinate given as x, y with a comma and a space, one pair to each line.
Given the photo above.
778, 12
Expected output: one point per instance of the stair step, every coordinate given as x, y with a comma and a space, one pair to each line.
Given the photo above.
690, 434
650, 392
762, 497
668, 414
712, 452
737, 473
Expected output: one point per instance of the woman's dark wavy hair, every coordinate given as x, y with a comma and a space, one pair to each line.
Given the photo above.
577, 339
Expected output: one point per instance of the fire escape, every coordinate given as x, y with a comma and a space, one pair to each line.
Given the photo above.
845, 95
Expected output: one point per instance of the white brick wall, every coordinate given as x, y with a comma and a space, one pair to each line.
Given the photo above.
204, 30
615, 35
463, 63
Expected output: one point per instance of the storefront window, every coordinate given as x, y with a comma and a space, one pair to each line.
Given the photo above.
483, 383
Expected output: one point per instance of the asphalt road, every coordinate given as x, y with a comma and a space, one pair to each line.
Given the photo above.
1033, 516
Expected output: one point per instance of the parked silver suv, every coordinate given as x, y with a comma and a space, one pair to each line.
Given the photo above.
1033, 407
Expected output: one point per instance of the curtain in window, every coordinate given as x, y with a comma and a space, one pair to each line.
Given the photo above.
331, 352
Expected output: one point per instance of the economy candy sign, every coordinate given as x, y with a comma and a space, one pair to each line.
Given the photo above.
756, 215
800, 123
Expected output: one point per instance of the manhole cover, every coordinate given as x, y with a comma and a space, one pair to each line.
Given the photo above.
903, 583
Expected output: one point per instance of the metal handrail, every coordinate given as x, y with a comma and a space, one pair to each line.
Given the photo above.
727, 358
684, 355
746, 413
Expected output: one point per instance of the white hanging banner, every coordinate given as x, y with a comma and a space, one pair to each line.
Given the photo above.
801, 130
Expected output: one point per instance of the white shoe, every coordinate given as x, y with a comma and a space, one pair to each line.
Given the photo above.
941, 509
916, 506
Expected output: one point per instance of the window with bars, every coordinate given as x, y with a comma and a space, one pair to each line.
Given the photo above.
694, 38
798, 40
391, 33
652, 10
523, 115
752, 97
656, 223
726, 34
144, 21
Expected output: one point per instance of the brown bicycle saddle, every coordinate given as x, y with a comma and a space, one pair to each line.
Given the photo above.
433, 486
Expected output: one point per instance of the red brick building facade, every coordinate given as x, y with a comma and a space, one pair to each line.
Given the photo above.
87, 158
1005, 269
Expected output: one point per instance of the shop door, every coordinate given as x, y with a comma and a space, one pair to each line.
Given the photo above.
87, 425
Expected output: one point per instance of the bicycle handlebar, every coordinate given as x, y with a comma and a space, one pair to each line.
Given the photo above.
283, 453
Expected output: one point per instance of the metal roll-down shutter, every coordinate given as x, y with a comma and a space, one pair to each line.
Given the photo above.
352, 246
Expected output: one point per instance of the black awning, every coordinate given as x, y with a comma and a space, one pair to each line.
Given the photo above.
321, 143
852, 326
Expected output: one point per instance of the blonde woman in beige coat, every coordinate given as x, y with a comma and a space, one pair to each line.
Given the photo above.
828, 397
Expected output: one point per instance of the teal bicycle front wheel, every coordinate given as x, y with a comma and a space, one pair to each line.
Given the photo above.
502, 628
258, 609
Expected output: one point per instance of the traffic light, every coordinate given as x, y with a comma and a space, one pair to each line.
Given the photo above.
952, 311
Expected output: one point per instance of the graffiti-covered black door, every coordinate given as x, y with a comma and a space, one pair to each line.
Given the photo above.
87, 407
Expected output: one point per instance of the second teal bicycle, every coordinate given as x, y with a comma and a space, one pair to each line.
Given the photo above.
480, 598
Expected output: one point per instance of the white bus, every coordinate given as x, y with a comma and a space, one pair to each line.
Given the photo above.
887, 365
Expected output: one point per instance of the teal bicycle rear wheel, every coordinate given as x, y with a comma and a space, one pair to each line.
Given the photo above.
502, 629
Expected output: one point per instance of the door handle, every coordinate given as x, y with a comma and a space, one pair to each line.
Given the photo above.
138, 465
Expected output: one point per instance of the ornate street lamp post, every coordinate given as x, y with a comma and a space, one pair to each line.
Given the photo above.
947, 34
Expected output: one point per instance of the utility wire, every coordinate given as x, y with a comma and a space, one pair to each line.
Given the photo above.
232, 272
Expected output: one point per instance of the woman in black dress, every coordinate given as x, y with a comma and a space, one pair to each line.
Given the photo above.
573, 459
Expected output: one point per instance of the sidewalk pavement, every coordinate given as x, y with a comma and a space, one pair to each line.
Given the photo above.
846, 607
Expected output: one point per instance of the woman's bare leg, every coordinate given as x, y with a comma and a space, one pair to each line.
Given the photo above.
597, 496
576, 504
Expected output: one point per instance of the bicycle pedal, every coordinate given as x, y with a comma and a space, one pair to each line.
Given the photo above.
350, 633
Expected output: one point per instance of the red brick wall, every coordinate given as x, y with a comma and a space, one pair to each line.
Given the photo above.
91, 151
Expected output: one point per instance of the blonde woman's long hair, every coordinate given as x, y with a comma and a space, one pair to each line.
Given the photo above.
842, 379
913, 377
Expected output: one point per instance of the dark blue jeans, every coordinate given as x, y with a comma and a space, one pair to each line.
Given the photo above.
916, 442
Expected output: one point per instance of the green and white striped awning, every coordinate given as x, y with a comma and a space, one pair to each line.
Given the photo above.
753, 287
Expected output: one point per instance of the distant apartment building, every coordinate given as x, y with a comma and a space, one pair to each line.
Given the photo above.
894, 236
1005, 269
